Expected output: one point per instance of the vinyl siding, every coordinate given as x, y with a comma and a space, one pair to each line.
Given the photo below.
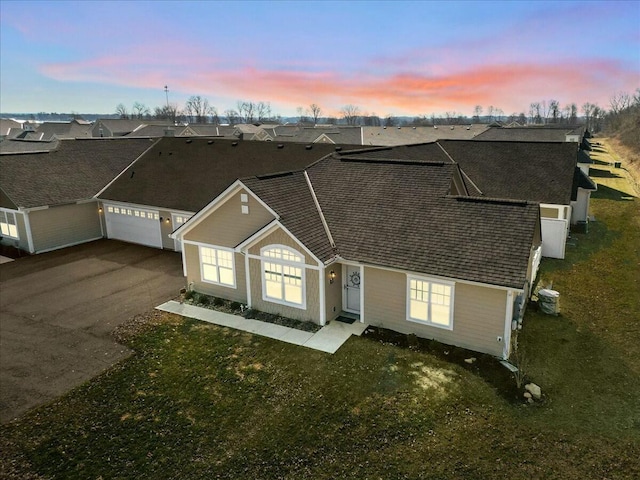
194, 277
479, 312
280, 237
227, 226
333, 292
57, 227
312, 311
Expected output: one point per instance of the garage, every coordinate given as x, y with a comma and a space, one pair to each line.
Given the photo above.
135, 225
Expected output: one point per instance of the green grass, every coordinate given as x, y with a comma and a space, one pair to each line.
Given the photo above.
199, 401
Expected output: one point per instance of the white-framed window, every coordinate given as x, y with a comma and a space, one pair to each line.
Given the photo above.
8, 224
430, 302
283, 279
217, 266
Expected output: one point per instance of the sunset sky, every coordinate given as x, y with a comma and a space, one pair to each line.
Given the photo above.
397, 58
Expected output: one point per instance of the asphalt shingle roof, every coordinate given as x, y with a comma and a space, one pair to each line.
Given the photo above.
528, 134
187, 173
399, 214
535, 171
75, 170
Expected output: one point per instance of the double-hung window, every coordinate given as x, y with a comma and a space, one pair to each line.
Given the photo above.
430, 302
283, 276
8, 225
217, 266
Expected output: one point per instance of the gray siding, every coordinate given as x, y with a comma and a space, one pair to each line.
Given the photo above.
65, 225
479, 312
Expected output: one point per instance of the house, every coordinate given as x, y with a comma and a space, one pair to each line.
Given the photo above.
405, 135
544, 172
9, 128
534, 133
180, 175
47, 198
59, 130
114, 127
401, 243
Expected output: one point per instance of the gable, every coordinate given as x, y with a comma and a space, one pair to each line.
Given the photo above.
226, 225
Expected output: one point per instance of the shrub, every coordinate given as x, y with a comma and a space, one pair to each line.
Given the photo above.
235, 306
188, 295
201, 298
218, 302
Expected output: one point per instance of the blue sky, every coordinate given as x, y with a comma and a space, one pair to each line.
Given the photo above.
387, 58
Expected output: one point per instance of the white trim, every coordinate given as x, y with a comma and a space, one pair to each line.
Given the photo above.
212, 206
429, 323
33, 209
508, 319
233, 265
257, 236
153, 143
247, 280
258, 257
147, 207
174, 214
362, 294
7, 212
361, 135
317, 204
323, 307
266, 230
27, 227
278, 261
184, 260
341, 260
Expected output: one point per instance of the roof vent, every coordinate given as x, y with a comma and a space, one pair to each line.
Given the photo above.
280, 145
469, 128
338, 149
209, 142
399, 127
234, 144
188, 141
414, 128
451, 127
385, 127
308, 147
435, 126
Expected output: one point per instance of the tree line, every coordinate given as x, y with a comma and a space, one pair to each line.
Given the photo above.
197, 109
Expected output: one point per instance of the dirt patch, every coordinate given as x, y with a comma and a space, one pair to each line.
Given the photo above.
139, 324
485, 366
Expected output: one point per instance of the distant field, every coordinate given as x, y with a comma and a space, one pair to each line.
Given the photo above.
199, 401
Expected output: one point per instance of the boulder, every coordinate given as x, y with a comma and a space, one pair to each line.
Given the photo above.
534, 390
470, 360
527, 395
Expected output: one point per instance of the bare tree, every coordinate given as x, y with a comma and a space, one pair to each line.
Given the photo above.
491, 110
477, 112
139, 110
198, 109
350, 113
122, 111
554, 110
263, 111
246, 111
168, 112
587, 110
620, 101
232, 116
315, 112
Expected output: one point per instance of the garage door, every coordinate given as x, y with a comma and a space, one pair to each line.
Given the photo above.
133, 225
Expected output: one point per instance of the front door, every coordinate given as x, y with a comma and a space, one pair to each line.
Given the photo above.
352, 289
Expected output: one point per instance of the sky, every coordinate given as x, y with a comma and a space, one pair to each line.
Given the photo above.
386, 58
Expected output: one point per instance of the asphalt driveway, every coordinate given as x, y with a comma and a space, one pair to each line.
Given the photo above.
58, 309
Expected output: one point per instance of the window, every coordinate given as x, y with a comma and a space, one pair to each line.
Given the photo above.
8, 225
283, 276
430, 302
217, 266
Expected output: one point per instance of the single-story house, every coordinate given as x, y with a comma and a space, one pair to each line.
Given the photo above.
401, 243
47, 198
533, 133
180, 175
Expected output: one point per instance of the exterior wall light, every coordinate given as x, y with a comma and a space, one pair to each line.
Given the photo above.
332, 276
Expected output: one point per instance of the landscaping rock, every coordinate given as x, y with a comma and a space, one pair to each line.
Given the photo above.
470, 360
527, 395
534, 390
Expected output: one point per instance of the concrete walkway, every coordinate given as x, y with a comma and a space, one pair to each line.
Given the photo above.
5, 259
328, 339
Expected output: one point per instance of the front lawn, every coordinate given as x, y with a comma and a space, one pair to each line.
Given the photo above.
200, 401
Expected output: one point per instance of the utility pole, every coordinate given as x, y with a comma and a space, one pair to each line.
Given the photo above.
166, 92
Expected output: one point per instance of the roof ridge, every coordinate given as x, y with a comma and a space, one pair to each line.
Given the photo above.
507, 201
317, 204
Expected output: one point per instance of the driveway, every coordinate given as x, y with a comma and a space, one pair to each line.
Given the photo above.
58, 309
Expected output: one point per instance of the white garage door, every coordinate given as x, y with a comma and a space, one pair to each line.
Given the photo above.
133, 225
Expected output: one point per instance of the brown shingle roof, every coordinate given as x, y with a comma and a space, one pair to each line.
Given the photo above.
187, 173
527, 134
76, 170
399, 214
535, 171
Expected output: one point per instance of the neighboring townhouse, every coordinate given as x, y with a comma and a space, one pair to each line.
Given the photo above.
544, 172
61, 130
9, 128
398, 242
19, 145
47, 199
534, 133
114, 127
409, 135
180, 175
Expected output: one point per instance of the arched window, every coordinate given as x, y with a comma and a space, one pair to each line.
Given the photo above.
283, 276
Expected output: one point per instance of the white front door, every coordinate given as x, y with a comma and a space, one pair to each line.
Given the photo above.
352, 289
